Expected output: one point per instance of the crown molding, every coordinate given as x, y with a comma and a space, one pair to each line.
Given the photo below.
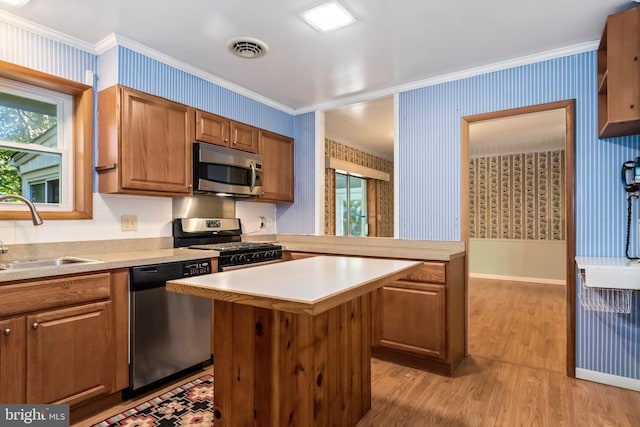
114, 39
117, 40
458, 75
41, 30
106, 43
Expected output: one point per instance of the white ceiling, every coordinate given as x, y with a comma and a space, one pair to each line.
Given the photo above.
393, 43
525, 133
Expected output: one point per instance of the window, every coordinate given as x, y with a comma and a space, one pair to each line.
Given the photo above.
351, 205
36, 141
46, 149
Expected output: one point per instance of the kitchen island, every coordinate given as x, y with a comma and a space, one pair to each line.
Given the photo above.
292, 340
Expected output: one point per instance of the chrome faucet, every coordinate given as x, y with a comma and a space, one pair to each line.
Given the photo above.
34, 213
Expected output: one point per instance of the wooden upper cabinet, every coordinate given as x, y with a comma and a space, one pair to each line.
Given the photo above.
212, 128
244, 137
144, 143
277, 167
619, 75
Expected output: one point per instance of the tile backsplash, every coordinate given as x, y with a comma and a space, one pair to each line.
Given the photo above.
154, 220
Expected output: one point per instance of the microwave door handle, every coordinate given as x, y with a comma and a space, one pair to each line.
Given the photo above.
253, 176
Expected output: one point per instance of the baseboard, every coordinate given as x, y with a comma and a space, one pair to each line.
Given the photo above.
608, 379
518, 279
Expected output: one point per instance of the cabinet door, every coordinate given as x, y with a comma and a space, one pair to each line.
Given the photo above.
156, 141
212, 129
277, 167
69, 354
12, 361
244, 137
413, 318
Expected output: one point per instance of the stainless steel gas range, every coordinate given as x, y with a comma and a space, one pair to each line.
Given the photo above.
223, 235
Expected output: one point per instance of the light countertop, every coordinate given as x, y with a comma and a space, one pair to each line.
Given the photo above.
107, 261
311, 285
383, 247
125, 253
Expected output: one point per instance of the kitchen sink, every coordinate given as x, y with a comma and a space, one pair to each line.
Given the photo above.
39, 263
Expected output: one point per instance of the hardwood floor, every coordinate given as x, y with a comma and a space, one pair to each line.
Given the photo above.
514, 377
518, 322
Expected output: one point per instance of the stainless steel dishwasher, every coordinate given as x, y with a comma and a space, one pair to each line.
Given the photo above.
170, 334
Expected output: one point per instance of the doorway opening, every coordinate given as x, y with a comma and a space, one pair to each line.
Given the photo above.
358, 182
517, 208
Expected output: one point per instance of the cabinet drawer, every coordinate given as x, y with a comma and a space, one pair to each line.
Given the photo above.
38, 295
434, 272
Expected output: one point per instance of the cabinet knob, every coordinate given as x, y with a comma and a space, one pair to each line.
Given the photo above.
35, 325
235, 142
226, 140
7, 332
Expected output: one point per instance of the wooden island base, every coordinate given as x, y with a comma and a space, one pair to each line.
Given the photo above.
275, 368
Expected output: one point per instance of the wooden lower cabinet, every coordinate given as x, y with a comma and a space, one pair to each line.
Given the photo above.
12, 360
65, 341
411, 318
419, 321
68, 354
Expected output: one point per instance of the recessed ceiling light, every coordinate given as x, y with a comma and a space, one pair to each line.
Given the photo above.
15, 3
328, 16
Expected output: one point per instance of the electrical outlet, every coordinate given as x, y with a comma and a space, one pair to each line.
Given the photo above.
129, 222
262, 221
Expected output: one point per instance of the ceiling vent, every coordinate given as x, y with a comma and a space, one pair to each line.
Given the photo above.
247, 48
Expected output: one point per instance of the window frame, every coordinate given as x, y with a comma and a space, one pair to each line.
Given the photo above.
64, 141
82, 151
348, 176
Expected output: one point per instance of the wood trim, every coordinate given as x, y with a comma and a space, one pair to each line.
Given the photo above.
82, 139
372, 207
120, 310
570, 218
33, 77
569, 107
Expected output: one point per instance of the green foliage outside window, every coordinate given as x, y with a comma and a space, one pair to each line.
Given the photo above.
18, 125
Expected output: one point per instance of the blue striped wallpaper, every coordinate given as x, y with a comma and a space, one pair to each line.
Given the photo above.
430, 191
299, 218
429, 155
148, 75
25, 48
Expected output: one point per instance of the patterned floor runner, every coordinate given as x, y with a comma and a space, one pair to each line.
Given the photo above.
190, 404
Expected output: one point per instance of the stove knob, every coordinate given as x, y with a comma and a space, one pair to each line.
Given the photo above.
241, 258
255, 256
233, 258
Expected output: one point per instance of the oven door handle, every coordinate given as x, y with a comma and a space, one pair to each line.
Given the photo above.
253, 176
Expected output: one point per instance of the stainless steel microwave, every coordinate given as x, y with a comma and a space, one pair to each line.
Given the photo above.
225, 171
